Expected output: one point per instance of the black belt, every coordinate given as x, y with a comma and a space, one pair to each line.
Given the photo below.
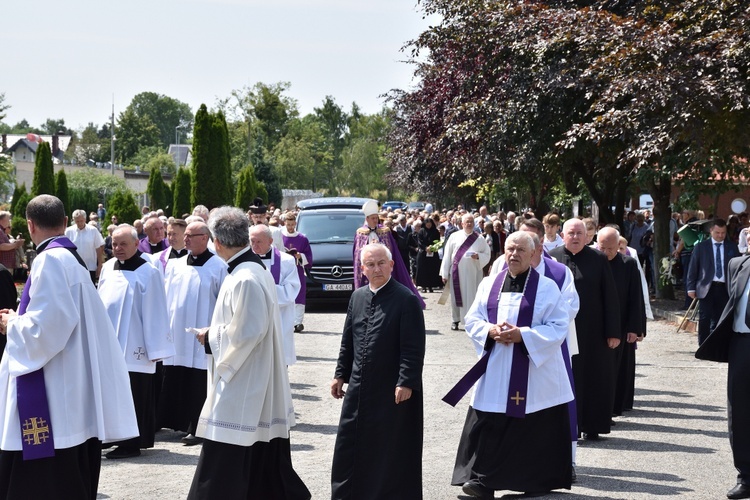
718, 283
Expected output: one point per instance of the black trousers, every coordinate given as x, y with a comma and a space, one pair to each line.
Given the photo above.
262, 471
711, 307
71, 473
738, 403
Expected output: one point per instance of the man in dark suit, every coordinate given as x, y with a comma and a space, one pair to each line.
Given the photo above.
730, 342
707, 276
402, 232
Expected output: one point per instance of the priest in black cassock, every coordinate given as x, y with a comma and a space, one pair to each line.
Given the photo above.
598, 329
378, 452
8, 298
632, 316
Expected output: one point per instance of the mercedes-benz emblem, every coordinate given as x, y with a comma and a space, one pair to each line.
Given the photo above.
337, 271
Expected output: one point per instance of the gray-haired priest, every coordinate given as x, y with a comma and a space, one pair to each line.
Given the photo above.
246, 419
516, 435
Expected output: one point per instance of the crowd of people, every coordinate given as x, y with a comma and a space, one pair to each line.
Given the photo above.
188, 324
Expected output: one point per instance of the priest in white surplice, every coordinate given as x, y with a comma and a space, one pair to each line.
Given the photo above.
248, 412
283, 268
61, 329
517, 435
133, 293
192, 284
464, 257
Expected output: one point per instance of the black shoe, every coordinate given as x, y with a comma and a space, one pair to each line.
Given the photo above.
573, 477
121, 452
299, 328
739, 491
454, 325
191, 440
474, 488
430, 289
591, 436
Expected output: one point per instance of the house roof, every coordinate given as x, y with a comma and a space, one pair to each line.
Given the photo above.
181, 153
31, 145
63, 141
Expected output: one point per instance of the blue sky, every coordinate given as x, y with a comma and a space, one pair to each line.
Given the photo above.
67, 59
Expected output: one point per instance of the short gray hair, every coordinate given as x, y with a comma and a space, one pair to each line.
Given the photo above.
126, 228
263, 229
374, 246
229, 225
79, 213
527, 238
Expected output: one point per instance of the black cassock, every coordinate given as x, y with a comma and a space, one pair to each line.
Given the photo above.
8, 298
378, 452
632, 319
598, 319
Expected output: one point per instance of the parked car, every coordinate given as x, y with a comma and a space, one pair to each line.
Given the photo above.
393, 205
330, 224
417, 205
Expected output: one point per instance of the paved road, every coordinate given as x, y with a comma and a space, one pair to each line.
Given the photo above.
674, 444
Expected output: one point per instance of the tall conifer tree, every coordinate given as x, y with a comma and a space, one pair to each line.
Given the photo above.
44, 171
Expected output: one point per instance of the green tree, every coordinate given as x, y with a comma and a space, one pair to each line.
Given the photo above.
202, 180
364, 162
164, 112
89, 147
212, 179
44, 171
333, 122
7, 176
181, 193
3, 107
61, 190
247, 188
155, 190
97, 180
18, 220
83, 199
56, 127
221, 161
122, 204
18, 192
133, 133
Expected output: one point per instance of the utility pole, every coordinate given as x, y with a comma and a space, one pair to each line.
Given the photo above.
112, 136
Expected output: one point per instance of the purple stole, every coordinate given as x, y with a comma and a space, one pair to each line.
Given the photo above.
454, 266
31, 392
519, 371
276, 265
164, 257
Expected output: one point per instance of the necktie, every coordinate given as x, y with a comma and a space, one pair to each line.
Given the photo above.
719, 267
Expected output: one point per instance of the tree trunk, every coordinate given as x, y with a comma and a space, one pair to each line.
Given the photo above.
661, 191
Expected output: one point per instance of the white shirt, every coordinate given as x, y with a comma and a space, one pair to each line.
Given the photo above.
557, 242
86, 240
723, 278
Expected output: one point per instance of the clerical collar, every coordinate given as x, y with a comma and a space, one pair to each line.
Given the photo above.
41, 246
244, 255
176, 254
267, 255
517, 284
376, 290
130, 264
199, 260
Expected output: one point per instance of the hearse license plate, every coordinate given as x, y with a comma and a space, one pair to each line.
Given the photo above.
337, 287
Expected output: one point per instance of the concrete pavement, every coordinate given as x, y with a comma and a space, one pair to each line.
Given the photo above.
673, 444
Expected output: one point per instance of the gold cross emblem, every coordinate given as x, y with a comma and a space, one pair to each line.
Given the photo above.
35, 431
518, 398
